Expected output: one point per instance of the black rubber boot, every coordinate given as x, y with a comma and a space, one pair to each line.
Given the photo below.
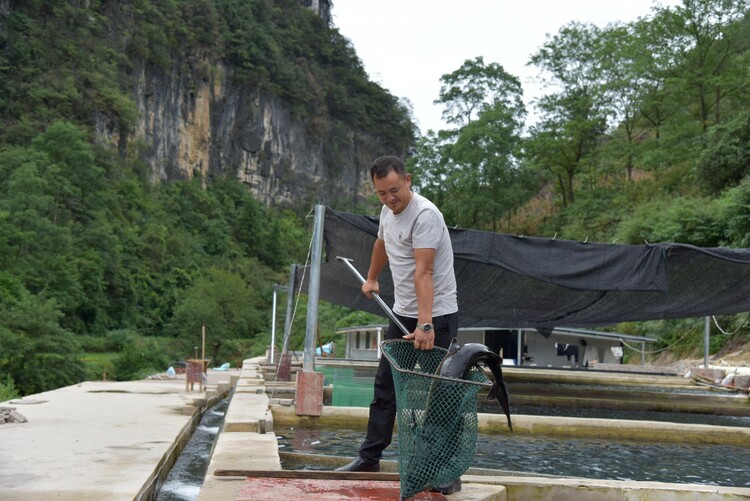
359, 465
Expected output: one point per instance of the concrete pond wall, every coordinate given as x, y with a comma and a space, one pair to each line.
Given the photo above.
247, 442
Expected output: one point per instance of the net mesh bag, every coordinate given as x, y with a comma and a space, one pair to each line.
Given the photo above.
437, 417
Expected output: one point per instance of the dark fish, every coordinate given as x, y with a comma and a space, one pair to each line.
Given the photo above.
459, 361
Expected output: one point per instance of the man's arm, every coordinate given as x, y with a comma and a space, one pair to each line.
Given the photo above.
377, 262
423, 284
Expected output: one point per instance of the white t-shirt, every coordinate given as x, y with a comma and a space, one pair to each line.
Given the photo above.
419, 226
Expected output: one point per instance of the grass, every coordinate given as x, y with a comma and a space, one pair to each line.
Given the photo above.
99, 366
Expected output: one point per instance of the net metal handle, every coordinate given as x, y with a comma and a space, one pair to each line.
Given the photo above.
348, 262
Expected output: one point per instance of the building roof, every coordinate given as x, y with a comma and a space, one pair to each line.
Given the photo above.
562, 331
360, 328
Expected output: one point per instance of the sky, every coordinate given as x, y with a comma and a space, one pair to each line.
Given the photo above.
407, 45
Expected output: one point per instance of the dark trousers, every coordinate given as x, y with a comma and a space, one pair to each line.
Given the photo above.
383, 406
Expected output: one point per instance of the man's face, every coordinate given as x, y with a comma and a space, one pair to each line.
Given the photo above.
393, 191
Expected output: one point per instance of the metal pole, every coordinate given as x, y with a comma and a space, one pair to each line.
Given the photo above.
276, 288
380, 336
273, 324
520, 347
706, 339
313, 290
348, 262
289, 307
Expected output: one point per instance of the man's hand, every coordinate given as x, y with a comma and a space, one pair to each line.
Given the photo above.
422, 340
370, 286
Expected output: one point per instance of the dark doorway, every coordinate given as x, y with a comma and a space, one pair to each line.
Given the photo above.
507, 340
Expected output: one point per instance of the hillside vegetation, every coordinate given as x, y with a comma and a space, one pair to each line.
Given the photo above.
104, 274
644, 135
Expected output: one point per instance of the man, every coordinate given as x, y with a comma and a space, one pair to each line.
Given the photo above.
413, 239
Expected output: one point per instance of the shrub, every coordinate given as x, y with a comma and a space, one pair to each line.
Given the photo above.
143, 357
8, 389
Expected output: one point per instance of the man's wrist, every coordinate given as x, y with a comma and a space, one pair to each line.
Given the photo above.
425, 327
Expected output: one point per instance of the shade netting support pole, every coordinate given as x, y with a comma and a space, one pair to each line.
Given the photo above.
706, 340
313, 290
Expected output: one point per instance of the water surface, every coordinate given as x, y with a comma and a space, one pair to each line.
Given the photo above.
186, 477
587, 458
492, 407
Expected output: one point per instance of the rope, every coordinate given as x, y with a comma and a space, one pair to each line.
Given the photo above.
645, 352
288, 333
299, 291
638, 350
729, 333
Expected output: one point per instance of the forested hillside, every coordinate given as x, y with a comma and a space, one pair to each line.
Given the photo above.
108, 270
261, 90
642, 135
158, 158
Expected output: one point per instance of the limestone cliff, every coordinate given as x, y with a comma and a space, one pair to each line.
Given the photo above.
201, 122
258, 89
211, 127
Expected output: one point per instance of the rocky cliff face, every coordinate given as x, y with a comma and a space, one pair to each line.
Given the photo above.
209, 127
321, 7
194, 121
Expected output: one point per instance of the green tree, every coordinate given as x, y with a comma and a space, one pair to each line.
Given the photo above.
492, 181
431, 170
735, 203
35, 352
626, 73
574, 117
228, 307
38, 249
674, 219
76, 179
140, 358
709, 41
476, 163
726, 161
475, 87
8, 390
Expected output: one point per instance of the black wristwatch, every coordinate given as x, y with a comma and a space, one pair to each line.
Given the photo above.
425, 327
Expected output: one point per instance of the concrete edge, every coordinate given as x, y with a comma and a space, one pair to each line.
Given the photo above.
645, 431
584, 489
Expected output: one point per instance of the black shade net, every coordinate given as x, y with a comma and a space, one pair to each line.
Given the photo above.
513, 281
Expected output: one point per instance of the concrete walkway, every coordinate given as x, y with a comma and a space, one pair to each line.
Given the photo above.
98, 440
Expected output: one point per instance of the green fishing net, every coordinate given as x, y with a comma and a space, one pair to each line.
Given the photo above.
437, 417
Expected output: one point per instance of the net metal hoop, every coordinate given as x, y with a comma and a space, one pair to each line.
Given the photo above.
395, 365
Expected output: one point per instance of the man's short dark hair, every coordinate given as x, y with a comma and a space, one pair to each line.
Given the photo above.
383, 165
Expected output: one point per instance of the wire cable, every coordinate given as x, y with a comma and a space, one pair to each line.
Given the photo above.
288, 333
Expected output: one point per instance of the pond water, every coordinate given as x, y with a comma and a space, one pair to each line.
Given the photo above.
491, 407
590, 458
186, 477
587, 458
